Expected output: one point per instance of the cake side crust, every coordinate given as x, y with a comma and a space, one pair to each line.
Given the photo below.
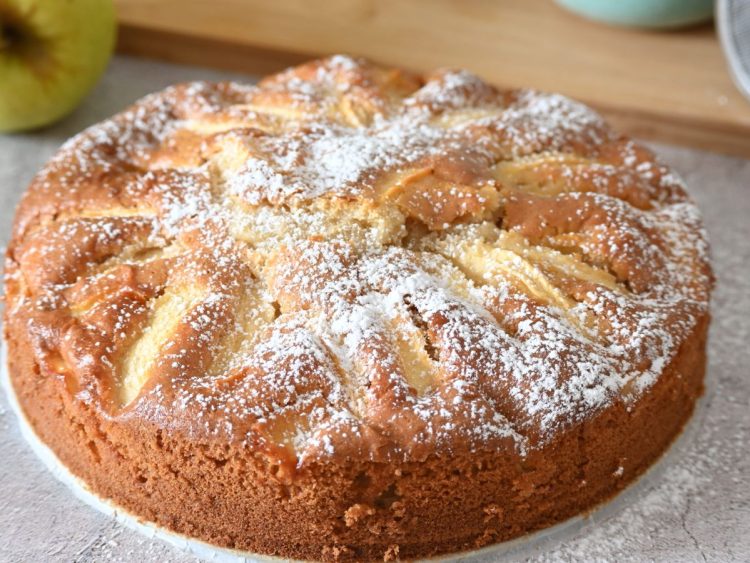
359, 511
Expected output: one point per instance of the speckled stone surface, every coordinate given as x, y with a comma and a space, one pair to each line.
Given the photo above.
696, 508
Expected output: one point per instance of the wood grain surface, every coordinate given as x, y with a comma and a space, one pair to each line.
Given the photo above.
672, 86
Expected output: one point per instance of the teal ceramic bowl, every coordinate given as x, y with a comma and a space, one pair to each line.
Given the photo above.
643, 13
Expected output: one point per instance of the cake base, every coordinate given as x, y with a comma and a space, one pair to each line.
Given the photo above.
521, 547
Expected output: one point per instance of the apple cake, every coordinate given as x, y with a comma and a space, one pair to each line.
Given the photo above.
352, 313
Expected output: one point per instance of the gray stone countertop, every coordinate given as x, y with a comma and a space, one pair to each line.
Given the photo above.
696, 509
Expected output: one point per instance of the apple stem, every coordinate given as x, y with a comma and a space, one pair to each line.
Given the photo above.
9, 36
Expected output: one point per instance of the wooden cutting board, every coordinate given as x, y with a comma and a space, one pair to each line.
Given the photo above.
669, 86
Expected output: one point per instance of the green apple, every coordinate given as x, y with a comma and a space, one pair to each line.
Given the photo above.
52, 52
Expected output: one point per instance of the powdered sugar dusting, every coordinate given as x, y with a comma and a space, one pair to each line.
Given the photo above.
365, 267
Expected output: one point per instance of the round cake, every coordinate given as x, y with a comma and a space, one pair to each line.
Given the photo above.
351, 313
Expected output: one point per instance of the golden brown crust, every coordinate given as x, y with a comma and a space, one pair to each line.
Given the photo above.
351, 313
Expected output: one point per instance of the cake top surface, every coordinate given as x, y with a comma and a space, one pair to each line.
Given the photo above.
346, 260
